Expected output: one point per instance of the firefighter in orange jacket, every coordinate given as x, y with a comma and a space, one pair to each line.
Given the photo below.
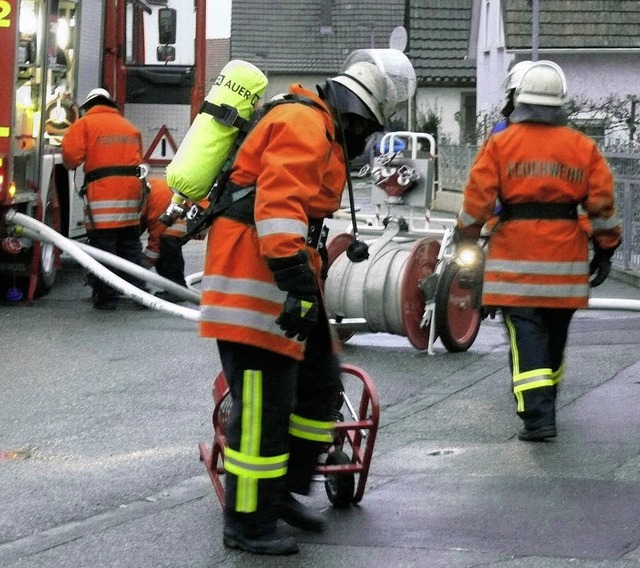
537, 268
110, 148
261, 300
164, 244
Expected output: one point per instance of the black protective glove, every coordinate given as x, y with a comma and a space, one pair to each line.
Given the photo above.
600, 264
468, 235
293, 274
300, 311
299, 316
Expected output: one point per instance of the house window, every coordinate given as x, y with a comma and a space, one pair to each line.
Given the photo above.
486, 31
468, 118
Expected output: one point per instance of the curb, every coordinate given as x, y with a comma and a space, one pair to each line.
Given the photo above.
630, 277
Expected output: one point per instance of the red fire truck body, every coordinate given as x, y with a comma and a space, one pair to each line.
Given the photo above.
54, 52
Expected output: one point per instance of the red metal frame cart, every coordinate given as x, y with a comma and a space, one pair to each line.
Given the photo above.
348, 458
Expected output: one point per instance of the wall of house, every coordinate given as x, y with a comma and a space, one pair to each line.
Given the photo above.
595, 76
446, 104
492, 62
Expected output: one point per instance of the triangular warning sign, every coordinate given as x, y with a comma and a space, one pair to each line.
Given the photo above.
162, 150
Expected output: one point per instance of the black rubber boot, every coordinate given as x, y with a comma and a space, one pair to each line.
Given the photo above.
300, 516
271, 542
537, 434
539, 416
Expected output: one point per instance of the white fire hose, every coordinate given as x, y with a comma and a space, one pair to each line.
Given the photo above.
41, 231
84, 255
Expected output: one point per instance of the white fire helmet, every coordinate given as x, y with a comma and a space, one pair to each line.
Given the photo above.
381, 79
515, 74
542, 84
94, 94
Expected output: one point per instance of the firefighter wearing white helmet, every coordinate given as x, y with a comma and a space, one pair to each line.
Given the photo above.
98, 96
109, 148
261, 296
511, 81
542, 171
542, 84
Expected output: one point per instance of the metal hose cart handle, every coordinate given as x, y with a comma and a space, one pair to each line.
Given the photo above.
348, 457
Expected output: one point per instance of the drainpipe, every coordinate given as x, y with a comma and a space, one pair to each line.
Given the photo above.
535, 29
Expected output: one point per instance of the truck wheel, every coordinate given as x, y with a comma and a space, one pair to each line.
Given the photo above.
47, 270
457, 321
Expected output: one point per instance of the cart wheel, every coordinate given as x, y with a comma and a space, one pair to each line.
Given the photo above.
457, 321
340, 488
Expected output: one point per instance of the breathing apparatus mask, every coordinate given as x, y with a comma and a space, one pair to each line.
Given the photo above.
356, 121
365, 94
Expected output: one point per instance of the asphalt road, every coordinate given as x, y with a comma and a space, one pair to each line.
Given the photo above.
102, 413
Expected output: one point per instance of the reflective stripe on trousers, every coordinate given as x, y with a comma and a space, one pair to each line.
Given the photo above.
537, 339
247, 463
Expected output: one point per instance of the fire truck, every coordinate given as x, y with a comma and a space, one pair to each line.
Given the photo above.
54, 52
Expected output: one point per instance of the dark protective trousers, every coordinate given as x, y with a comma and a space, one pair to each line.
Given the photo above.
267, 389
124, 243
538, 337
170, 263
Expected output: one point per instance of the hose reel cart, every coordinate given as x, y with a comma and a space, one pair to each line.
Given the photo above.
412, 284
344, 466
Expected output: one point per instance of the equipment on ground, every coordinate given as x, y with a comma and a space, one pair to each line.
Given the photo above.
346, 459
411, 284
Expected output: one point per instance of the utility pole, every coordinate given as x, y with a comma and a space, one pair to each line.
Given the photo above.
632, 119
535, 29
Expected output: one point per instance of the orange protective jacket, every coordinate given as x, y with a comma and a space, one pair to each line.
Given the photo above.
102, 138
298, 170
540, 262
155, 205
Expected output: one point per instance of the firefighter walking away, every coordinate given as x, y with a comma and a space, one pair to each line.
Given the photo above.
537, 270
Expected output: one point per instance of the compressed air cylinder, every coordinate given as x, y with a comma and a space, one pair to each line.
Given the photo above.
207, 143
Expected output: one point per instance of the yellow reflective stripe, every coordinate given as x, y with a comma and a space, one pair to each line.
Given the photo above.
305, 307
557, 375
529, 374
514, 345
314, 430
5, 131
519, 401
255, 467
247, 493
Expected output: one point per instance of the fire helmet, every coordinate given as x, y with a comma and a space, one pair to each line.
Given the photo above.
542, 84
95, 94
515, 74
380, 79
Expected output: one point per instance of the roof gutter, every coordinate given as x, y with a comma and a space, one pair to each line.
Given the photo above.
573, 50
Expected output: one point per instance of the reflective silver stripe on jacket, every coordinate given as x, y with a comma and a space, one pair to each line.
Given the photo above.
602, 224
282, 225
542, 267
113, 217
466, 219
244, 287
536, 290
241, 317
96, 205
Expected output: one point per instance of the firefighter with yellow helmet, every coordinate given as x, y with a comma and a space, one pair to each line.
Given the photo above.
261, 293
537, 270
